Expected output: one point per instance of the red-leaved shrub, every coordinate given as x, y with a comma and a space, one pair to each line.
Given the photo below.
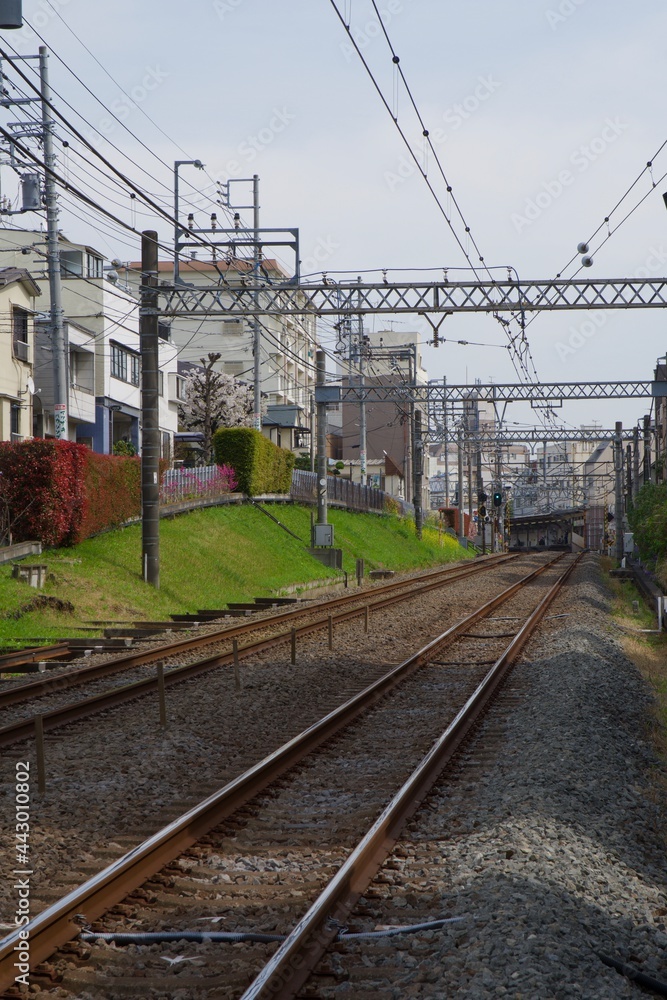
113, 492
42, 488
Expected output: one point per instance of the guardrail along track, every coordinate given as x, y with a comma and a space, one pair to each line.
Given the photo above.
58, 923
376, 599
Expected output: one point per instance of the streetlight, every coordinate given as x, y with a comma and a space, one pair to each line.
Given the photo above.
177, 228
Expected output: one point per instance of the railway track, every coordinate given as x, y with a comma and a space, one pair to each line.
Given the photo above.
270, 630
398, 732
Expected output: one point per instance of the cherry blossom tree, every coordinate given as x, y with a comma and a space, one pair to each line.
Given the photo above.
212, 399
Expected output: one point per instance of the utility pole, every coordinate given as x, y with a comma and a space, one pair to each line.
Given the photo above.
257, 339
362, 401
58, 334
444, 382
647, 448
418, 468
618, 490
635, 461
461, 526
320, 361
150, 435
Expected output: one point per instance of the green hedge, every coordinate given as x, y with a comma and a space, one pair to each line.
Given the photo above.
260, 466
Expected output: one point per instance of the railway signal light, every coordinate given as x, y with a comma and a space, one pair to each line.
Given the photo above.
482, 511
482, 497
497, 498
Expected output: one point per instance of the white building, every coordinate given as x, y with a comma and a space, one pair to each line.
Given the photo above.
102, 334
287, 343
18, 293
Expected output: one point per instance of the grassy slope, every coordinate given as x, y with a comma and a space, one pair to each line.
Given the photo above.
207, 558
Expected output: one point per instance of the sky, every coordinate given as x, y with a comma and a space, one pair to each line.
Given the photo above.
543, 113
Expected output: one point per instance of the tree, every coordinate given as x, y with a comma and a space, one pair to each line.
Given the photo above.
211, 400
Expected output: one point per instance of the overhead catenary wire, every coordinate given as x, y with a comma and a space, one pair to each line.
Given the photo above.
516, 358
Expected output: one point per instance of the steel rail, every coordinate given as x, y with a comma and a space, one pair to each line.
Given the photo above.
58, 924
292, 964
25, 728
82, 675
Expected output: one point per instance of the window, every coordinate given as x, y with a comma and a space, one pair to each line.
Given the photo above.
180, 387
118, 363
71, 264
15, 421
93, 266
20, 334
160, 382
124, 364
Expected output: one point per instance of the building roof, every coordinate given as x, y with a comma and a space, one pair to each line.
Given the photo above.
8, 275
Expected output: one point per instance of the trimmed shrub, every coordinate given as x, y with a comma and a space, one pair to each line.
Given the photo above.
260, 465
113, 492
42, 489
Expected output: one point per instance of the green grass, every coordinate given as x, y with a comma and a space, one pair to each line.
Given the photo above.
207, 558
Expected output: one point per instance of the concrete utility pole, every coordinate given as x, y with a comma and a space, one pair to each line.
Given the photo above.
362, 405
320, 361
444, 420
618, 489
58, 334
257, 339
461, 525
150, 418
418, 469
635, 462
647, 448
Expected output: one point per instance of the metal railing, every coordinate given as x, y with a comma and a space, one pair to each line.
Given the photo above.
342, 491
209, 481
202, 482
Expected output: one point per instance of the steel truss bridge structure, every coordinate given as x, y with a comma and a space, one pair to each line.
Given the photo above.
331, 298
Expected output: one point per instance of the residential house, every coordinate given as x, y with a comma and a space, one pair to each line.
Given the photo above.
18, 292
102, 333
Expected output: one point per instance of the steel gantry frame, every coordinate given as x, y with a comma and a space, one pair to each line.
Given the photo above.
528, 435
333, 298
250, 298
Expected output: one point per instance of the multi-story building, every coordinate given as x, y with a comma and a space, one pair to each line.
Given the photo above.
102, 335
287, 343
18, 293
391, 358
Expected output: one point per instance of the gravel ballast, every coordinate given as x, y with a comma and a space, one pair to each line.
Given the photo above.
549, 841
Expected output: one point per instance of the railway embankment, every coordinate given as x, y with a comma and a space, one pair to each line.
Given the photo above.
208, 558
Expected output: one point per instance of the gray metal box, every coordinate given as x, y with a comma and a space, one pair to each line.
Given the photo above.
323, 534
